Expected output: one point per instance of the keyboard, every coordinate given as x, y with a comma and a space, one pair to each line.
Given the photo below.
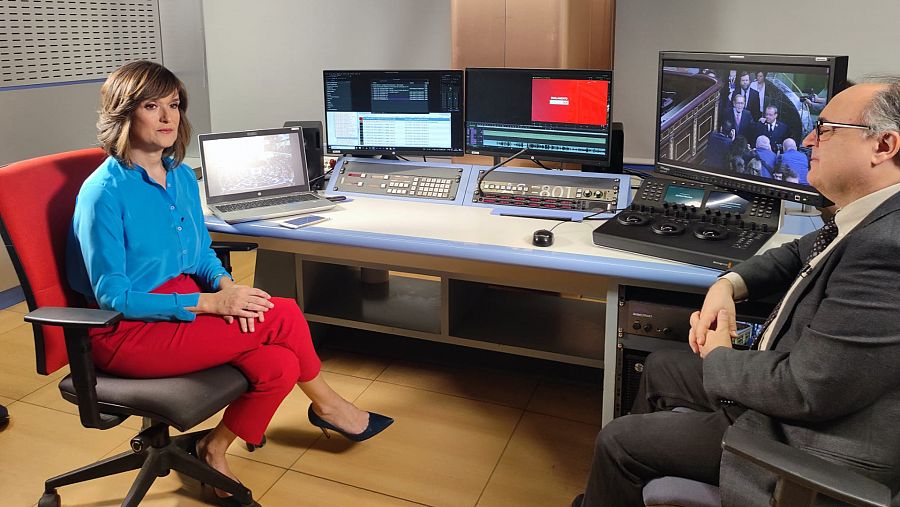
265, 203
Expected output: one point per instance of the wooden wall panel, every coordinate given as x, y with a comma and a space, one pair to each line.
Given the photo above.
478, 33
577, 50
602, 34
534, 33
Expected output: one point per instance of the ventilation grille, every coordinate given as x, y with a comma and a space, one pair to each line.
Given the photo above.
46, 42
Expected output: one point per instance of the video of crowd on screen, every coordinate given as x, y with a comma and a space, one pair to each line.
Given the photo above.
740, 120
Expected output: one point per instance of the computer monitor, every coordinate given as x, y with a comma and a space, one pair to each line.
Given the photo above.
556, 114
405, 112
716, 127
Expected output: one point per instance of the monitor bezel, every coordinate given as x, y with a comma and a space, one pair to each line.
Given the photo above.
422, 152
500, 152
837, 81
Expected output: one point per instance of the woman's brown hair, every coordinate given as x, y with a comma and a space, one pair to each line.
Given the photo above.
123, 92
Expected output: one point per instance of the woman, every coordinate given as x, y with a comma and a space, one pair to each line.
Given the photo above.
139, 246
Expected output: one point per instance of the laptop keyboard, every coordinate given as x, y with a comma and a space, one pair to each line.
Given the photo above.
265, 203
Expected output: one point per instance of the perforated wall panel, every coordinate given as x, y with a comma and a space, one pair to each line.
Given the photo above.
58, 41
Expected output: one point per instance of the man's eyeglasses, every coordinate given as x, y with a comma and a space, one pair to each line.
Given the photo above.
824, 129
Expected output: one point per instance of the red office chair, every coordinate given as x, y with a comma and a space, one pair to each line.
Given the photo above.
37, 199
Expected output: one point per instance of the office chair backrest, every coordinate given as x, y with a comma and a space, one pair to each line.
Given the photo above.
37, 199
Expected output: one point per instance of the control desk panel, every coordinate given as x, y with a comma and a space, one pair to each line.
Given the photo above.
548, 190
505, 190
391, 179
693, 222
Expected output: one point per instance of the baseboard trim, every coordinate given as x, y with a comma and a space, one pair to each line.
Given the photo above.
11, 296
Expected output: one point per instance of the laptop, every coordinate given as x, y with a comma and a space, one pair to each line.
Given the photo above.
257, 175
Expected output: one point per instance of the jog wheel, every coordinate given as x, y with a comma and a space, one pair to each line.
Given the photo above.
633, 218
711, 232
667, 228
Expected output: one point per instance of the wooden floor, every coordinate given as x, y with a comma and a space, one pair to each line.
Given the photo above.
472, 429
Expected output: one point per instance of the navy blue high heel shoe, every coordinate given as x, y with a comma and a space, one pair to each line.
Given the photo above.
377, 424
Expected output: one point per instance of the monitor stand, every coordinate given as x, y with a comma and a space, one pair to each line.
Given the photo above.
805, 210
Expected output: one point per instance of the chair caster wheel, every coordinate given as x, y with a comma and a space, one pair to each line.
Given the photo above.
50, 500
251, 447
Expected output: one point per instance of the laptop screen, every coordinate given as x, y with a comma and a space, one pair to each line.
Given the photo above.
240, 165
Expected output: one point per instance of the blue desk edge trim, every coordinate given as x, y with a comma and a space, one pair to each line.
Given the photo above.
678, 274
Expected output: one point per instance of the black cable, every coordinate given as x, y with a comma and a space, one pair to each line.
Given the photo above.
538, 162
639, 174
424, 158
401, 157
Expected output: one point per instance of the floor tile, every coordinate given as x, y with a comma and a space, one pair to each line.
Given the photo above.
19, 308
569, 400
290, 434
349, 363
6, 401
478, 384
172, 490
243, 264
40, 443
546, 463
10, 320
49, 397
295, 488
440, 451
18, 375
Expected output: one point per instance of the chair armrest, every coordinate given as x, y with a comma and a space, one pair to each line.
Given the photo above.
73, 317
223, 250
806, 470
232, 246
75, 322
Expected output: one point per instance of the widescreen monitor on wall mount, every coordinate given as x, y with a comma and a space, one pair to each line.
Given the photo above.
555, 114
405, 112
738, 120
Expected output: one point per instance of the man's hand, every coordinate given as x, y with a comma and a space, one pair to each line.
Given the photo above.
721, 336
720, 296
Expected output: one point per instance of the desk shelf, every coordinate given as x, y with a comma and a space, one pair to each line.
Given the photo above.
540, 321
337, 293
506, 314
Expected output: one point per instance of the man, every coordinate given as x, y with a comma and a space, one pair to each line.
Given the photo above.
765, 154
720, 144
4, 417
770, 127
794, 160
824, 378
751, 96
743, 119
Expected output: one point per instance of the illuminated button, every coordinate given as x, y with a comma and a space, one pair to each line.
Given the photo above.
359, 184
383, 185
386, 177
178, 228
172, 207
363, 175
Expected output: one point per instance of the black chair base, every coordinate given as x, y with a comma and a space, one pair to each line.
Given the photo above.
155, 453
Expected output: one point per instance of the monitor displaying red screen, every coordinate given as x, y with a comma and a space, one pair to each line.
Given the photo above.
572, 101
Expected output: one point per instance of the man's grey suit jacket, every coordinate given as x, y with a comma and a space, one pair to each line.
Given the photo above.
830, 384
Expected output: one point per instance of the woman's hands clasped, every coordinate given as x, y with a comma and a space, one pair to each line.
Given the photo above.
247, 304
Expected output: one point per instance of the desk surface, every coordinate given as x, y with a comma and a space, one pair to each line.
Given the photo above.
476, 234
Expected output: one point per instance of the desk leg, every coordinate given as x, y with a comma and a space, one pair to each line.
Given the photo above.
610, 342
276, 273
